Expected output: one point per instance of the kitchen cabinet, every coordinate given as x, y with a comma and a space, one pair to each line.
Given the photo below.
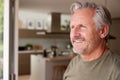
115, 28
24, 64
114, 7
37, 68
114, 44
42, 68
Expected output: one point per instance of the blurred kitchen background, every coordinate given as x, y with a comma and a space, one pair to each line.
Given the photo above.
44, 46
44, 36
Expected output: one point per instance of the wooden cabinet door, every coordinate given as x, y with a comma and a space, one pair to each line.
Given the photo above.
24, 64
114, 7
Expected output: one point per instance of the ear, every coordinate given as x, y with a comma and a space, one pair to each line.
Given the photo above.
104, 31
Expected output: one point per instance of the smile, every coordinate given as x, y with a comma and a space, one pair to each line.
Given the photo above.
78, 40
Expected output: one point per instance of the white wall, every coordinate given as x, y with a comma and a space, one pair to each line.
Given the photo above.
25, 15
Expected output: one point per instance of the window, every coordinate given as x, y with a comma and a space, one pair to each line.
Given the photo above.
1, 38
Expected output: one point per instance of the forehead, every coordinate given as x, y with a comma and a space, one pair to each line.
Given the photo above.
84, 13
83, 16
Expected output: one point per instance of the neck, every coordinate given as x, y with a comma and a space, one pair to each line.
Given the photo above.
96, 53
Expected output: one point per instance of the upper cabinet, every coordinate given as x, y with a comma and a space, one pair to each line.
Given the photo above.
58, 23
114, 7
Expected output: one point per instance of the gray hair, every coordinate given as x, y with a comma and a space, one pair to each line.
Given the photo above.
101, 17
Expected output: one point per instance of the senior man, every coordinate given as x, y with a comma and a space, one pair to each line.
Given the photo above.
89, 29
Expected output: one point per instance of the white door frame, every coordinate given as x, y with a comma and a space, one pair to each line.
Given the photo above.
10, 42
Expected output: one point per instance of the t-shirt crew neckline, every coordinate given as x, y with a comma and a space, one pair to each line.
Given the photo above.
96, 60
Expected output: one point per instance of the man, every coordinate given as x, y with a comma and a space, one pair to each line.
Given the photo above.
90, 24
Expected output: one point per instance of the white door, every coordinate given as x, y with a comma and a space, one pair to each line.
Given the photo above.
1, 39
9, 40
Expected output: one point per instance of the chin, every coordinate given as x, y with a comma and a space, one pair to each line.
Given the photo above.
78, 51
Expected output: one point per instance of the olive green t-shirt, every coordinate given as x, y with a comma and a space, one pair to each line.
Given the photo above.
106, 67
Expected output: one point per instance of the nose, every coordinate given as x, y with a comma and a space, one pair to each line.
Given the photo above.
76, 31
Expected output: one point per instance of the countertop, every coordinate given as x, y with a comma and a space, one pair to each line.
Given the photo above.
31, 51
57, 58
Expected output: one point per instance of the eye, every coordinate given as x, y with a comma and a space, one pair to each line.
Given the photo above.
79, 27
71, 27
82, 26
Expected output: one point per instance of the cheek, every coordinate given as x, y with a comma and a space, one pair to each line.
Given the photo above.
92, 33
94, 39
71, 36
90, 37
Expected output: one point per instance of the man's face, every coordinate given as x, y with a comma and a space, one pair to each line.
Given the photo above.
84, 35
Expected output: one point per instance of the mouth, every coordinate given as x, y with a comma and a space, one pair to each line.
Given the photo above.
78, 40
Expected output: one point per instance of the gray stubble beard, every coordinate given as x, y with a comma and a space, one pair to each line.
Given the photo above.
78, 52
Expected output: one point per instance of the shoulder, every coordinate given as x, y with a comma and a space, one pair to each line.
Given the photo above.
115, 65
116, 59
75, 59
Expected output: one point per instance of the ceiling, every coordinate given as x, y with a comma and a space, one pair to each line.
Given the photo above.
47, 5
62, 6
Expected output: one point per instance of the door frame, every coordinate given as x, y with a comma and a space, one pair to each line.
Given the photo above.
10, 40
